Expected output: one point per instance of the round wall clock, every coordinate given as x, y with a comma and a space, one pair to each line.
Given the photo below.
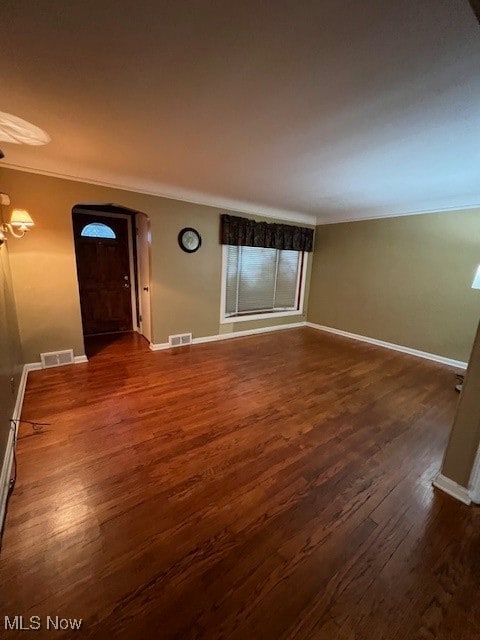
189, 240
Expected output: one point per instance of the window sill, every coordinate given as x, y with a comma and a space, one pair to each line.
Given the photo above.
259, 316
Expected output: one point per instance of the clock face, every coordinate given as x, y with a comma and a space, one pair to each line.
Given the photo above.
189, 240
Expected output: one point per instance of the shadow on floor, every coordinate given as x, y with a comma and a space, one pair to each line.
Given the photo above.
114, 343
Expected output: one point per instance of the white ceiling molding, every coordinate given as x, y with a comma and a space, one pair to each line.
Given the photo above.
321, 221
184, 196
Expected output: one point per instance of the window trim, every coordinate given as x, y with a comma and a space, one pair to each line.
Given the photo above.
264, 315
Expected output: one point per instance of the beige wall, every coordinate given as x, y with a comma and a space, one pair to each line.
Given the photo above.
403, 280
465, 435
10, 351
185, 287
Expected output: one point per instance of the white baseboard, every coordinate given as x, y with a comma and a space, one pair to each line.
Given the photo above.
6, 470
474, 484
5, 474
36, 366
22, 385
452, 488
159, 346
32, 366
458, 364
233, 334
8, 457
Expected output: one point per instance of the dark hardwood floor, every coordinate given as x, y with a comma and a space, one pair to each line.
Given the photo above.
264, 488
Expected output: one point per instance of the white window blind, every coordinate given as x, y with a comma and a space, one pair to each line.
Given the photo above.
261, 280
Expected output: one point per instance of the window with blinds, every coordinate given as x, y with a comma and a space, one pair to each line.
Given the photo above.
261, 280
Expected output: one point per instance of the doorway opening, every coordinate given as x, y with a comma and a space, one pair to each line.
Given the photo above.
112, 251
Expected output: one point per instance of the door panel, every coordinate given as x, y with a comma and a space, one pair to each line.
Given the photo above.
143, 254
103, 268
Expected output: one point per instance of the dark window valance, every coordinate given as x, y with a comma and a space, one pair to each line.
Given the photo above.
245, 232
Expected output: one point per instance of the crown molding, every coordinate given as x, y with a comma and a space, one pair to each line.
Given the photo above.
183, 195
238, 206
322, 222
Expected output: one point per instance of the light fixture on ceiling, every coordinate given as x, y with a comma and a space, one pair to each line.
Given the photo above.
14, 129
20, 223
476, 279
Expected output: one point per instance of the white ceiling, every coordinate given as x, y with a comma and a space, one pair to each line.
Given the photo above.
337, 109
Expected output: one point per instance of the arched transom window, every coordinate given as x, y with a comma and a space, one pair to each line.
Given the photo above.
98, 230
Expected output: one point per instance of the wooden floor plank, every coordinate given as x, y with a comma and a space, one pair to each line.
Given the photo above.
270, 487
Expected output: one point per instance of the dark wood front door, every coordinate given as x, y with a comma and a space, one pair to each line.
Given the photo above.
103, 268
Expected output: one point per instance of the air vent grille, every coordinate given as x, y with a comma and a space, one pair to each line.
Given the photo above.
180, 340
57, 358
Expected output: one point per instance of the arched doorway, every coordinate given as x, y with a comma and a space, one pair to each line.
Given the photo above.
112, 249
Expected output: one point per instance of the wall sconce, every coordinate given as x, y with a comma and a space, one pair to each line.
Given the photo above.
20, 223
